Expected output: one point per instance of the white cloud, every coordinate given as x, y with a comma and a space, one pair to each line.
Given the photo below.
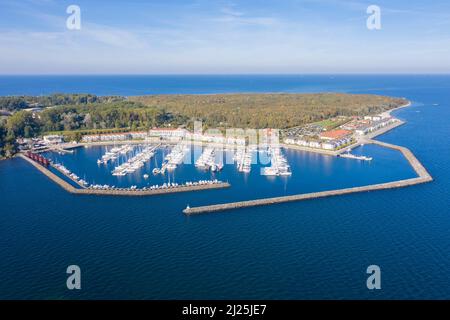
224, 40
231, 12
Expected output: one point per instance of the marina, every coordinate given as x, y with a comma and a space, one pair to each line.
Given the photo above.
114, 153
243, 158
131, 191
165, 180
173, 159
72, 176
136, 162
207, 160
130, 159
279, 165
423, 177
258, 252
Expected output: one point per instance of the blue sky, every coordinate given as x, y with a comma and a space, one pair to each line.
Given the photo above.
215, 37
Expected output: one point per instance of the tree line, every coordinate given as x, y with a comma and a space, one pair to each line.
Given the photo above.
13, 103
279, 111
77, 114
81, 115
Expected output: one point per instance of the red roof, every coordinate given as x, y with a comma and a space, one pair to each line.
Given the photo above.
335, 134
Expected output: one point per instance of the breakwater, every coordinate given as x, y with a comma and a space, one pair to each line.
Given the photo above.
423, 177
59, 181
413, 161
119, 192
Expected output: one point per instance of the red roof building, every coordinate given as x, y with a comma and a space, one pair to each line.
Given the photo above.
335, 134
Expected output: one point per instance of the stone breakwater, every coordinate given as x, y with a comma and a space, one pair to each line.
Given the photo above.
114, 192
423, 177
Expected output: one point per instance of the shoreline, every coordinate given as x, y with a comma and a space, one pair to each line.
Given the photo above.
66, 147
359, 142
422, 175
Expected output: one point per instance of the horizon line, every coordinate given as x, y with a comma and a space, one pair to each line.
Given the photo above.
224, 74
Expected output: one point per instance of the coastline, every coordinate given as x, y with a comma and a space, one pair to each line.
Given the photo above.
408, 104
359, 142
287, 146
422, 175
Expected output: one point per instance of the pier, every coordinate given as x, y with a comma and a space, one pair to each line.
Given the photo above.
352, 156
118, 192
413, 161
423, 177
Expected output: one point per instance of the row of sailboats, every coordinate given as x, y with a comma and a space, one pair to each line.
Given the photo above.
243, 158
173, 159
114, 153
278, 164
136, 162
207, 160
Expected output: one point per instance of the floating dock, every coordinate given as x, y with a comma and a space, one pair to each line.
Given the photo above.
352, 156
423, 177
115, 192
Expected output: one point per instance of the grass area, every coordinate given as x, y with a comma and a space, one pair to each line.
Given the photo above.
330, 124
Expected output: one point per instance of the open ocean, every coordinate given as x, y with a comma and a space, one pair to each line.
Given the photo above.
145, 248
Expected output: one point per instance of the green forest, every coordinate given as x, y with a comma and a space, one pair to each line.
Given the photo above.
76, 114
13, 103
268, 110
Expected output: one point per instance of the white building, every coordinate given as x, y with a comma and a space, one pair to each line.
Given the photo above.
168, 133
362, 131
314, 144
329, 145
376, 125
326, 145
302, 143
53, 139
373, 118
289, 141
138, 135
113, 136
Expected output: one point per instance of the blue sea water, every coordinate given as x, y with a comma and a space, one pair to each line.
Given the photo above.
311, 172
145, 248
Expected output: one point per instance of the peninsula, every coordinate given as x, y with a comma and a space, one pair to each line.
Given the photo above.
76, 115
328, 123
